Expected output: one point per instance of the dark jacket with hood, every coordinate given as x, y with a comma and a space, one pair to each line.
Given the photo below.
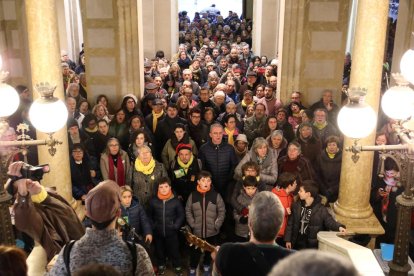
137, 219
328, 171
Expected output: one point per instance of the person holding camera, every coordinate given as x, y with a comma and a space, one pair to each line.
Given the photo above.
42, 214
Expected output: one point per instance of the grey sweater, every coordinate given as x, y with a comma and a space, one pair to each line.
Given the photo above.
105, 247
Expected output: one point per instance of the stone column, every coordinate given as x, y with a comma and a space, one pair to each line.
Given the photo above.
44, 54
265, 35
312, 48
353, 208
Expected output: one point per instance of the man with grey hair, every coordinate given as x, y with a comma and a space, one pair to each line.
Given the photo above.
314, 263
257, 256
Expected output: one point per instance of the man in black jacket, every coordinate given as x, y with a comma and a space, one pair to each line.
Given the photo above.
257, 256
219, 158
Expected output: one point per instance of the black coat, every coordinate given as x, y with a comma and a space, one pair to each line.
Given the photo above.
198, 133
164, 131
328, 172
166, 216
81, 177
186, 184
220, 160
320, 220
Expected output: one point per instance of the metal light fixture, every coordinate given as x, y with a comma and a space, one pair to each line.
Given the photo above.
397, 103
48, 114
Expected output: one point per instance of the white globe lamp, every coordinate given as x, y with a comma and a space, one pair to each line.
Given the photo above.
48, 114
9, 99
407, 65
398, 101
357, 119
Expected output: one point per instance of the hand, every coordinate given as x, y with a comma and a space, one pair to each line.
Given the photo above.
329, 106
288, 211
148, 238
14, 169
214, 253
288, 245
382, 192
83, 198
342, 230
93, 173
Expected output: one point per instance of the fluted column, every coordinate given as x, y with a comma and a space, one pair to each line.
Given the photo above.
44, 55
352, 207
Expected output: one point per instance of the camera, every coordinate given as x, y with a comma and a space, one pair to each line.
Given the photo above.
34, 173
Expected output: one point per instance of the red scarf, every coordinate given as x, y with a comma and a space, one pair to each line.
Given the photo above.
120, 172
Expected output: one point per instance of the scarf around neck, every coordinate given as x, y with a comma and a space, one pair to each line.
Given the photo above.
120, 170
155, 118
202, 191
185, 166
165, 197
230, 134
145, 169
320, 126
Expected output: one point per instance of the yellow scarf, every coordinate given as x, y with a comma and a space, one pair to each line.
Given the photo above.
145, 169
320, 126
155, 117
330, 155
244, 104
230, 135
185, 166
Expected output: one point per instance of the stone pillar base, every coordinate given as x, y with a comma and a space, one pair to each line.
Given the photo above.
369, 225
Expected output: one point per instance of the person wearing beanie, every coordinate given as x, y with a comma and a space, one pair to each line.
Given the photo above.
183, 172
167, 216
241, 146
205, 212
179, 136
101, 243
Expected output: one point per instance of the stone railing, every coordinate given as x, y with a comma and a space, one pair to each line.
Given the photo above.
363, 258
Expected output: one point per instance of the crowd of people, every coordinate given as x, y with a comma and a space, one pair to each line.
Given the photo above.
207, 137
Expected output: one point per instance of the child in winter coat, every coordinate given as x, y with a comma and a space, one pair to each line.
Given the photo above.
245, 197
205, 212
308, 217
167, 215
136, 227
286, 185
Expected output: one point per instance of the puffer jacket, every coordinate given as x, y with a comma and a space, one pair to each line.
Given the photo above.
242, 230
268, 169
166, 216
136, 218
220, 160
145, 185
205, 213
320, 220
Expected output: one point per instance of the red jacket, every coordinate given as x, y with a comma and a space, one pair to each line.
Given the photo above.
287, 200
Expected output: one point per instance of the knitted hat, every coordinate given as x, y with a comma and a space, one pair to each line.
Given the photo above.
103, 202
182, 146
242, 137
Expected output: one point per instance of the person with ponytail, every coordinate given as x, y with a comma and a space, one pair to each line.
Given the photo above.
167, 216
115, 164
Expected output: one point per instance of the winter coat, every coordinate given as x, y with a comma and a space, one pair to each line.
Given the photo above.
287, 201
205, 213
81, 177
328, 172
310, 148
137, 219
164, 131
242, 230
220, 160
253, 128
300, 166
324, 133
168, 153
104, 164
198, 133
268, 169
320, 220
238, 187
167, 216
184, 185
144, 186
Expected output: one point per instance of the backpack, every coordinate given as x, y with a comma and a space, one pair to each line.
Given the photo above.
68, 247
